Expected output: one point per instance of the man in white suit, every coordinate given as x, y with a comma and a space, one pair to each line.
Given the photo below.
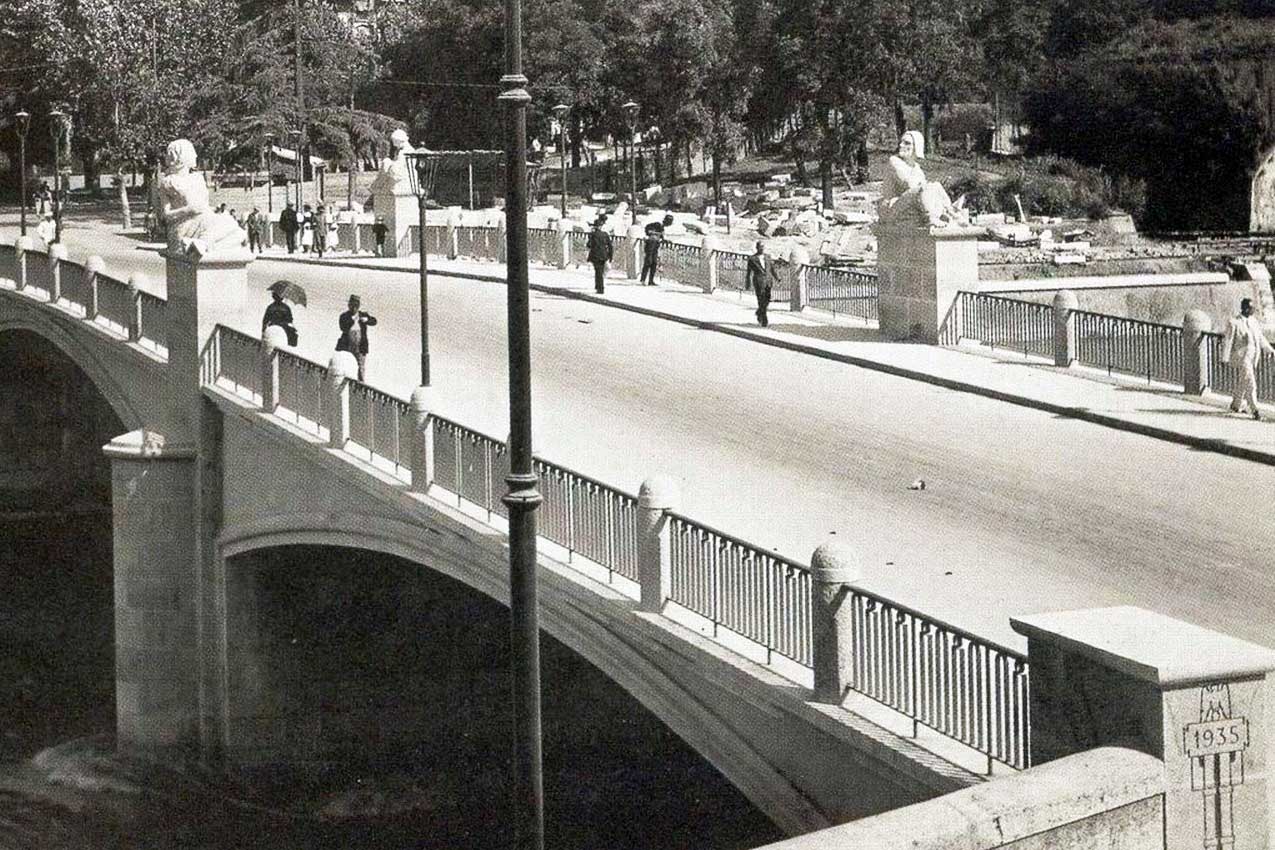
1243, 350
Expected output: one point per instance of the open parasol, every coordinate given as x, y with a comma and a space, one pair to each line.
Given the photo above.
290, 291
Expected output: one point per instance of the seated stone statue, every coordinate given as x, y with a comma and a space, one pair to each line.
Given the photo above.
183, 197
908, 198
393, 168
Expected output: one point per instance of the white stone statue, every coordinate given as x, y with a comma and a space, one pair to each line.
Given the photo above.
193, 227
908, 198
393, 169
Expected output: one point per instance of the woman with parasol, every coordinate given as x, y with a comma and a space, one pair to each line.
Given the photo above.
279, 313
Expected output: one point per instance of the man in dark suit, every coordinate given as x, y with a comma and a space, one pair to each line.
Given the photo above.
354, 324
651, 249
599, 253
761, 275
289, 224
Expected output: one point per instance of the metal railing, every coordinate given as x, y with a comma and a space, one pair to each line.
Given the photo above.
683, 263
436, 241
578, 243
301, 385
585, 516
153, 313
732, 270
1130, 346
942, 677
478, 243
734, 584
114, 304
543, 246
75, 291
842, 292
233, 359
381, 424
469, 464
999, 322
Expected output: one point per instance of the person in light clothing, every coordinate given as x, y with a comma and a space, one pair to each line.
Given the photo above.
1243, 348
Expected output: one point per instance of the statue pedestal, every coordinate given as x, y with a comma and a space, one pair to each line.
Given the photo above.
401, 211
919, 272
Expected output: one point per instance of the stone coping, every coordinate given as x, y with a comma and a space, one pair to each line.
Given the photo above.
1118, 281
1149, 646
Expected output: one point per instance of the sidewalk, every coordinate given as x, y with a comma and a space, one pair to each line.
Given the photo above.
1130, 404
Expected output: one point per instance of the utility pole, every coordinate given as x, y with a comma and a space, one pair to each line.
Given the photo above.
298, 91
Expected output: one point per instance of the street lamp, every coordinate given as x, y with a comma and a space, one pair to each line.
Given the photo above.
631, 114
421, 168
56, 117
523, 496
269, 172
300, 174
22, 123
561, 111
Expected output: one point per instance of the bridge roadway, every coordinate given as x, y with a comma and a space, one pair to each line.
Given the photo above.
1023, 511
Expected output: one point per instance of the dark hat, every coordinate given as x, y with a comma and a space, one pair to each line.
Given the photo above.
356, 298
279, 285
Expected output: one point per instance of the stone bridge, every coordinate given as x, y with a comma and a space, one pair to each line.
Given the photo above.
238, 447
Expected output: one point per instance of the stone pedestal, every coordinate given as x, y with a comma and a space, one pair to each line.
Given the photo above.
156, 605
401, 211
656, 497
833, 568
1192, 697
920, 270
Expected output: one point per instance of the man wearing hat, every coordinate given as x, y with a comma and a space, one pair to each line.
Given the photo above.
289, 224
599, 253
354, 324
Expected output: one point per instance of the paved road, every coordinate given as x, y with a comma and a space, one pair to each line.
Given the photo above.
1023, 511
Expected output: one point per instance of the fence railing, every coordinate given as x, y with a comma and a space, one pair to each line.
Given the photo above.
301, 385
153, 315
842, 292
543, 246
1008, 323
585, 516
683, 263
381, 424
754, 593
732, 270
114, 303
941, 677
1130, 346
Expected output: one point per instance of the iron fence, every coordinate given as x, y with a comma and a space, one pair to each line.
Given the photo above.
233, 359
114, 303
732, 271
999, 322
842, 292
683, 263
543, 246
301, 392
585, 516
154, 321
578, 242
381, 424
469, 464
1130, 346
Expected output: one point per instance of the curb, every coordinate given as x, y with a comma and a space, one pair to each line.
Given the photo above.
1083, 414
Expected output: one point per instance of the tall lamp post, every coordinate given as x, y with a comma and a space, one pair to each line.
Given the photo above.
523, 496
631, 114
560, 111
421, 168
56, 117
300, 174
269, 173
22, 123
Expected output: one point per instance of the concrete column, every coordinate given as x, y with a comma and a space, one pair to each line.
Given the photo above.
564, 243
1065, 327
94, 267
272, 340
708, 264
636, 248
423, 445
341, 369
23, 248
798, 298
400, 209
1195, 371
453, 224
920, 270
269, 235
833, 568
135, 281
157, 665
656, 497
57, 254
1194, 698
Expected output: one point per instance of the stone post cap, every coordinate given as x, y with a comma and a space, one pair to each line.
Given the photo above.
23, 243
660, 492
1149, 646
274, 337
422, 400
835, 562
1195, 321
137, 281
1065, 299
343, 365
57, 251
95, 264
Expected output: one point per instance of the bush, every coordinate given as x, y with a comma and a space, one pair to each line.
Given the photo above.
957, 120
980, 195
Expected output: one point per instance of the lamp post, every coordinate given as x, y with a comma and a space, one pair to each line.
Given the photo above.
300, 174
523, 496
22, 123
56, 117
420, 174
269, 173
631, 114
561, 111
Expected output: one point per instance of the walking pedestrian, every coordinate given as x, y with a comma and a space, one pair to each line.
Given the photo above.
760, 277
651, 249
307, 229
354, 323
289, 224
279, 313
254, 231
321, 230
1243, 349
47, 229
44, 197
599, 253
379, 231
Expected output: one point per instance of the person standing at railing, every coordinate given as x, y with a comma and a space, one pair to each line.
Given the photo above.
651, 249
1243, 348
599, 253
354, 324
760, 276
